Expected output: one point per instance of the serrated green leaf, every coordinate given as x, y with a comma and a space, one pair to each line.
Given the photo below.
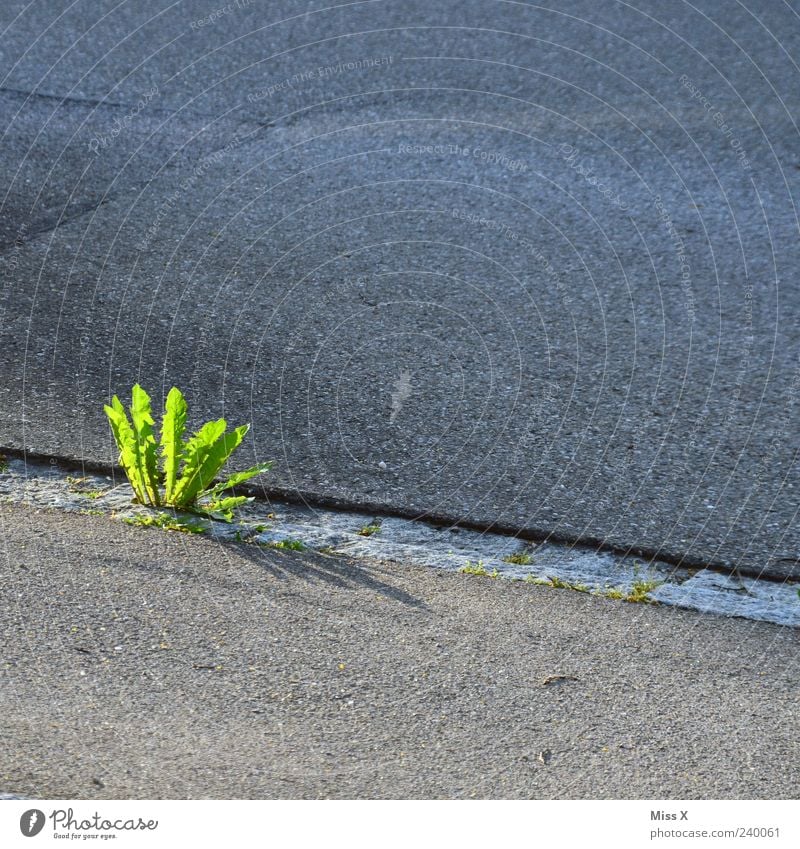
146, 461
237, 478
205, 455
173, 426
125, 438
223, 508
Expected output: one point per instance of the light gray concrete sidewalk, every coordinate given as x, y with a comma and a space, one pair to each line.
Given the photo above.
140, 663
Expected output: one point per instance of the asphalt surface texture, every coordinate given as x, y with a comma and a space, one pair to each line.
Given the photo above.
177, 667
503, 263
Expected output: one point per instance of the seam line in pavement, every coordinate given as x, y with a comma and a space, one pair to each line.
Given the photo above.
377, 536
534, 535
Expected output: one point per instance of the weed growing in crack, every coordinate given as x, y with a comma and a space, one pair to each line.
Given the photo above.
184, 478
90, 493
478, 569
561, 584
519, 558
167, 522
286, 545
639, 593
76, 486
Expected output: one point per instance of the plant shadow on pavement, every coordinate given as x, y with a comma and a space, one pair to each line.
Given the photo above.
336, 570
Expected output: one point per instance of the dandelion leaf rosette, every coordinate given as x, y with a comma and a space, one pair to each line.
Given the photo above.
188, 468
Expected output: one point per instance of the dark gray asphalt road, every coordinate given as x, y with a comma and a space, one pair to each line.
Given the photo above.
145, 664
485, 259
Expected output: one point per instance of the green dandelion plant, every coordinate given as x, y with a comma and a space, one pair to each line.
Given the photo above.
185, 476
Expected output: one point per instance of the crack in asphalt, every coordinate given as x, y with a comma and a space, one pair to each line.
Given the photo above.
354, 531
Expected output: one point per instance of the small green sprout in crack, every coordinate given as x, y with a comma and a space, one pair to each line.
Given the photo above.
3, 464
167, 523
286, 545
519, 558
91, 512
558, 583
613, 593
638, 566
535, 579
561, 584
90, 493
76, 487
369, 530
641, 589
247, 533
478, 569
639, 593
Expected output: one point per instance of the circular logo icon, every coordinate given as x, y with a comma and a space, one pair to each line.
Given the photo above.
31, 822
